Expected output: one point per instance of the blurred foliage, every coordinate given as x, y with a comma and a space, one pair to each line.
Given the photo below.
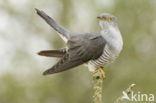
22, 33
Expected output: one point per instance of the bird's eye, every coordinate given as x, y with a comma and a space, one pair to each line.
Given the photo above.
103, 18
110, 19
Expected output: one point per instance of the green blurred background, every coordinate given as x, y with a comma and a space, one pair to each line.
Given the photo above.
23, 33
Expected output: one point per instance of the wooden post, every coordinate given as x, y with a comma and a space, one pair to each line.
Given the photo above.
97, 87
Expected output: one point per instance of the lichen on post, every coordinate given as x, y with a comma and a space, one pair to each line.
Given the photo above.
97, 87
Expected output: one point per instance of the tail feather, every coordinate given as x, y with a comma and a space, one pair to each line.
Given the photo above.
52, 53
65, 35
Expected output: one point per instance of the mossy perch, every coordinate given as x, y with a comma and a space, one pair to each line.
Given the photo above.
97, 87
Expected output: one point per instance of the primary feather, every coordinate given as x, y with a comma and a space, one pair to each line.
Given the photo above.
78, 54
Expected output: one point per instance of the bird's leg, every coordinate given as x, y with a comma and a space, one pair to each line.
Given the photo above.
101, 70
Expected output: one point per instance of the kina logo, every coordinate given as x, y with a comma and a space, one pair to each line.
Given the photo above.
141, 97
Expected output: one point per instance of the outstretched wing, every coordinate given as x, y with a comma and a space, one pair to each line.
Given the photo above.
63, 32
81, 49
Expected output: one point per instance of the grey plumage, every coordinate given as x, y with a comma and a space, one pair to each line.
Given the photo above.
65, 33
53, 53
78, 54
95, 49
105, 58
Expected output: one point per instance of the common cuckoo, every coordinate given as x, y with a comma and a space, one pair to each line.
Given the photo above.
94, 49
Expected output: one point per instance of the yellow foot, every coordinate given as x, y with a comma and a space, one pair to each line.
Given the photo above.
102, 72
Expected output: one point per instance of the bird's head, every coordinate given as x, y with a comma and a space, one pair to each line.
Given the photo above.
107, 20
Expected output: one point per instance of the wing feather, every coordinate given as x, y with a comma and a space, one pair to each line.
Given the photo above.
53, 53
81, 49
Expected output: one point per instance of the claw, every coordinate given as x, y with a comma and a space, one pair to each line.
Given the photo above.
102, 72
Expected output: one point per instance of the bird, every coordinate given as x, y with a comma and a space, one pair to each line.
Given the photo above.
92, 49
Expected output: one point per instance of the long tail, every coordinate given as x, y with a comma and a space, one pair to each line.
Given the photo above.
53, 53
66, 35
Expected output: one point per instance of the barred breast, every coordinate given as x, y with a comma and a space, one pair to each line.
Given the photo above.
108, 56
111, 50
